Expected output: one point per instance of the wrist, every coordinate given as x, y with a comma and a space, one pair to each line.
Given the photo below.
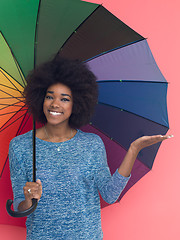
134, 148
24, 205
28, 203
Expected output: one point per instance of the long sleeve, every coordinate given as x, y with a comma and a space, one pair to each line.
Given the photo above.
110, 187
18, 175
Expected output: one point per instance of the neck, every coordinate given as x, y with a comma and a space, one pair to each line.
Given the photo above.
56, 133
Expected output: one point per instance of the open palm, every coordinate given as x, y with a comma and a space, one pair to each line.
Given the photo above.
146, 141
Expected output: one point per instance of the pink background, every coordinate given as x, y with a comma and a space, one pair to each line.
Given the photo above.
151, 208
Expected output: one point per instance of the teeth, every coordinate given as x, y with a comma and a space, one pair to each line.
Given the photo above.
55, 113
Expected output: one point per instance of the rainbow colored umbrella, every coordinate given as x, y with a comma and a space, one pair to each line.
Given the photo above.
132, 90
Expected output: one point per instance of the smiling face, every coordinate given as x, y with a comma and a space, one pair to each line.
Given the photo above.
58, 104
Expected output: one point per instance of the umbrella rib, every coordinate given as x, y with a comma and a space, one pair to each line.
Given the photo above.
12, 98
10, 95
10, 76
124, 110
114, 49
36, 30
102, 52
130, 81
3, 167
12, 117
78, 28
10, 105
114, 140
111, 138
16, 104
16, 135
7, 105
11, 88
21, 110
22, 125
20, 72
15, 61
10, 81
4, 127
13, 104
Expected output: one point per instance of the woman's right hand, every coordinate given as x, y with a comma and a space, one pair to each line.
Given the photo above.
32, 190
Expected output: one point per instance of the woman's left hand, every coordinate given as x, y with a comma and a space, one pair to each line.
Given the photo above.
147, 141
136, 146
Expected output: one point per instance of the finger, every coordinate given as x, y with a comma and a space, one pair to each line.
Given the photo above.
40, 185
30, 184
160, 138
170, 136
37, 196
167, 136
27, 193
33, 194
37, 190
39, 182
34, 185
32, 188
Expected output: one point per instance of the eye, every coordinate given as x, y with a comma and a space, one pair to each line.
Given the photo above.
49, 97
65, 100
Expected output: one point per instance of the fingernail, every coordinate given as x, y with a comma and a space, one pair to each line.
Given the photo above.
170, 136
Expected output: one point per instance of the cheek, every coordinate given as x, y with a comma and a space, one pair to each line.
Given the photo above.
45, 105
71, 107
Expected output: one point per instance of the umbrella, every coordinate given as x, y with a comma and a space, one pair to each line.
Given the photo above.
132, 90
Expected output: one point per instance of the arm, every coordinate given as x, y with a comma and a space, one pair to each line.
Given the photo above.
17, 173
135, 147
110, 187
24, 205
22, 198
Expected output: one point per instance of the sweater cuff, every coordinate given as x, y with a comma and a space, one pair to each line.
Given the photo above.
121, 178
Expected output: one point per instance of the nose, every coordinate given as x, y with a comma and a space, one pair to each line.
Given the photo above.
55, 103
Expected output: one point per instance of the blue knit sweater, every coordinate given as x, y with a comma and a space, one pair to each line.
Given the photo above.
71, 178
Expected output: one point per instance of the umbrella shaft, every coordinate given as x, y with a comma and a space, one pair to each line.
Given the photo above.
34, 151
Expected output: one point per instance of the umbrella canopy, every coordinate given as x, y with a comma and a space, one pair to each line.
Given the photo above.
132, 90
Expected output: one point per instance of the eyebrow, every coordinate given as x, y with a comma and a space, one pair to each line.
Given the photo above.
62, 94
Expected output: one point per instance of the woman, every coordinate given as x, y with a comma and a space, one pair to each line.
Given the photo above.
71, 164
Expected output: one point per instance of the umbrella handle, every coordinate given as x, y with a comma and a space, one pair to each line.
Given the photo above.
34, 201
22, 213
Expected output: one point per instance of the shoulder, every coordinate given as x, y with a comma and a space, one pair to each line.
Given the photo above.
90, 138
21, 141
19, 148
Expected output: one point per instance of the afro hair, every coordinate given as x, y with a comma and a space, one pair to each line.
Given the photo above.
72, 73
